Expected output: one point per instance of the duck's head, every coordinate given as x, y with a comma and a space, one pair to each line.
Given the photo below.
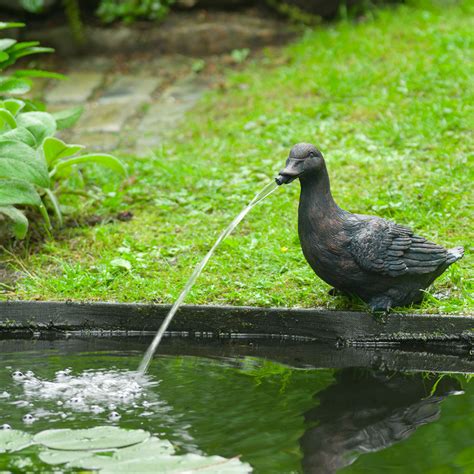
304, 159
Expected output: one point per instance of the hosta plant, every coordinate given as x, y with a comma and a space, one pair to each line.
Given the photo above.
32, 159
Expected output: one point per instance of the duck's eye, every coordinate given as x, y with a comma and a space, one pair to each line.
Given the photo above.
312, 154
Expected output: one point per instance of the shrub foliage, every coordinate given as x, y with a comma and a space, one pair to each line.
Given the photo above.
32, 159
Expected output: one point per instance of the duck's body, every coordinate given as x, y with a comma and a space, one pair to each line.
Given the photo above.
383, 263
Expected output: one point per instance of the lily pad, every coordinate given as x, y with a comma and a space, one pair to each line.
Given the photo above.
162, 463
98, 438
188, 463
14, 440
153, 448
55, 457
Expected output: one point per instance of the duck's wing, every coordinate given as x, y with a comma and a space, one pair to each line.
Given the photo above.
384, 247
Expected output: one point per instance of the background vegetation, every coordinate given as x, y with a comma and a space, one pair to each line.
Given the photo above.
387, 98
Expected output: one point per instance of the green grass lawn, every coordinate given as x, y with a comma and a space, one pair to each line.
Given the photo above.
387, 99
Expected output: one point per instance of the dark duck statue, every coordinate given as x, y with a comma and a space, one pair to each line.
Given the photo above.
383, 263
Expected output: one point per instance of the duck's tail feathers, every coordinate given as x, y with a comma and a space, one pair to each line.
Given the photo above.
454, 254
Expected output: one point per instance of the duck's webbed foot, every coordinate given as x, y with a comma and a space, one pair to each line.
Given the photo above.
380, 306
337, 292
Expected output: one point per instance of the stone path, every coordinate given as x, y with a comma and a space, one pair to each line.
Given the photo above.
129, 105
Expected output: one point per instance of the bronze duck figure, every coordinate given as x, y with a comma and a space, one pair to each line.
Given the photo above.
383, 263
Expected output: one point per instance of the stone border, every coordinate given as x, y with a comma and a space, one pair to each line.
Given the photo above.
346, 327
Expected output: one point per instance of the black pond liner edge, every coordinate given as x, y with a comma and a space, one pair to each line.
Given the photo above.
343, 327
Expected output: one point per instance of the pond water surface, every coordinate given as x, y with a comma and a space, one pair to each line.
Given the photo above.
279, 416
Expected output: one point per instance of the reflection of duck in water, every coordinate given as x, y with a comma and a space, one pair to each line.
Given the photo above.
365, 411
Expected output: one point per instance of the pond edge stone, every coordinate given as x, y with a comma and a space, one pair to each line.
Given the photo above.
342, 327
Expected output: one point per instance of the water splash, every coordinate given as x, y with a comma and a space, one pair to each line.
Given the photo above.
260, 196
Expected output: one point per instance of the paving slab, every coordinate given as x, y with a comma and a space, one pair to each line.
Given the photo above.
130, 89
98, 141
106, 117
78, 88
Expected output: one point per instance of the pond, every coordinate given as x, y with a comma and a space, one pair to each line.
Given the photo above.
268, 405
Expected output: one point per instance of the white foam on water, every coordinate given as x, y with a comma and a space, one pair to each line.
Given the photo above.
89, 392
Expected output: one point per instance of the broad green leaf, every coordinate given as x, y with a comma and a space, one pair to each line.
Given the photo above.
54, 201
67, 118
6, 43
55, 149
33, 6
10, 85
13, 105
98, 438
23, 45
188, 463
54, 457
99, 158
19, 134
152, 446
19, 161
13, 192
4, 57
6, 117
14, 440
6, 25
122, 264
39, 73
19, 223
34, 50
40, 124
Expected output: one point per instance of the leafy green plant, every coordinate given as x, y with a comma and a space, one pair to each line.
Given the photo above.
32, 160
131, 10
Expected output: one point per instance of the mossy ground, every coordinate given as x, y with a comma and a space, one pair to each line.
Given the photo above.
388, 99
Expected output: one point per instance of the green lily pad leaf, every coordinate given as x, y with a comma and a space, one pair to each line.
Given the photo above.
100, 437
40, 124
14, 440
18, 219
55, 457
189, 463
151, 447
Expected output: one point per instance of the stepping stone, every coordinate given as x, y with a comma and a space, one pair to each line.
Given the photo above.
106, 117
97, 141
77, 89
130, 89
176, 101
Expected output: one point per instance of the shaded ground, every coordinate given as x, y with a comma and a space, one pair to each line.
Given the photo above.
389, 102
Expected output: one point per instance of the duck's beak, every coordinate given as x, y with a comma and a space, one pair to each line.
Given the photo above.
294, 168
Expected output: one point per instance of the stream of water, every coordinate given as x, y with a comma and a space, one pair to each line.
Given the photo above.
260, 196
